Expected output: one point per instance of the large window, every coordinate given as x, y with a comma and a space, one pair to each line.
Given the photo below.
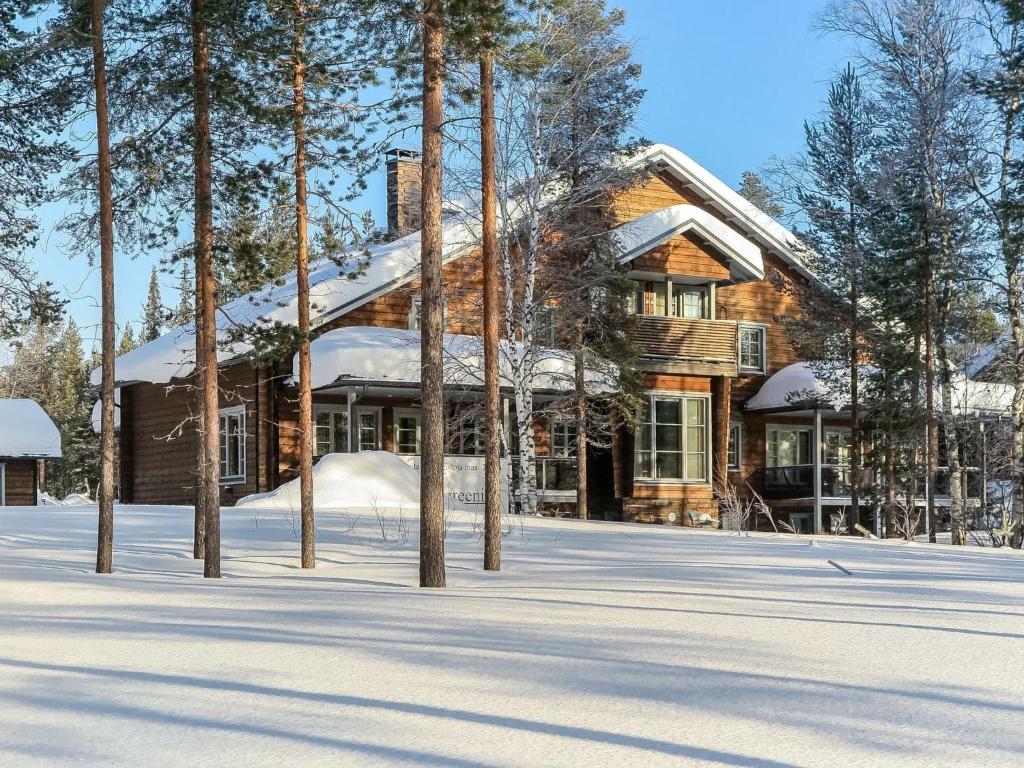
407, 432
468, 437
331, 424
672, 299
752, 348
232, 444
837, 446
735, 452
368, 429
789, 446
672, 439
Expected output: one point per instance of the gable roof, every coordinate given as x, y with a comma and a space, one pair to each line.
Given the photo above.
730, 203
389, 266
28, 433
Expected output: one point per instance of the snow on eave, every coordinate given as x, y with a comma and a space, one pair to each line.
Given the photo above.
778, 237
647, 232
27, 433
97, 408
358, 355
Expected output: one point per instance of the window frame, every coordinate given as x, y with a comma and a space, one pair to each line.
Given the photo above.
235, 411
415, 312
563, 425
319, 408
827, 430
762, 330
769, 428
650, 478
399, 413
358, 411
673, 288
3, 484
730, 465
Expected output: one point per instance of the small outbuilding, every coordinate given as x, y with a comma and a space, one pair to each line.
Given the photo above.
27, 435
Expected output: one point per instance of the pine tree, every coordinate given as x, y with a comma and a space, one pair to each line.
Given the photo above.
152, 311
185, 311
758, 193
835, 195
128, 341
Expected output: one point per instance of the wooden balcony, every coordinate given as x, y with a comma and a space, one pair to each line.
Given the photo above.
680, 345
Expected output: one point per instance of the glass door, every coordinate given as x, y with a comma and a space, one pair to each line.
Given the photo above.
368, 429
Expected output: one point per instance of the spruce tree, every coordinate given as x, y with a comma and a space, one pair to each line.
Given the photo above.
757, 192
152, 311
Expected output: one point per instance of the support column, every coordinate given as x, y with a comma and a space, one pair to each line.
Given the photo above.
816, 460
721, 394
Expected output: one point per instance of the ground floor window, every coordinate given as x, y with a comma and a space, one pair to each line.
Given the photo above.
672, 439
368, 429
468, 437
407, 432
331, 424
837, 446
735, 445
232, 444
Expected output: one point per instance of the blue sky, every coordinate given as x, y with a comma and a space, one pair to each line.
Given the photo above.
729, 82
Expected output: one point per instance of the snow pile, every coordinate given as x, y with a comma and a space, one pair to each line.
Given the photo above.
27, 432
364, 480
392, 355
796, 384
77, 500
641, 235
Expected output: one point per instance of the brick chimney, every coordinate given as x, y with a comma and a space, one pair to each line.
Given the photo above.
403, 166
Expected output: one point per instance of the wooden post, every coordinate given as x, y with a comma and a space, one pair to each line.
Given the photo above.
721, 406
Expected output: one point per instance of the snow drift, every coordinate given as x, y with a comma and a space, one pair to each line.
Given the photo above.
364, 480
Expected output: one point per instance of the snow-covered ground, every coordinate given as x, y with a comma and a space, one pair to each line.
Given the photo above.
598, 644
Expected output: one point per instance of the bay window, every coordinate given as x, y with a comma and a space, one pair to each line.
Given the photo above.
232, 444
671, 441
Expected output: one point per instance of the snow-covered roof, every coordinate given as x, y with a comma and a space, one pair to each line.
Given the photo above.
794, 385
798, 385
728, 200
333, 291
392, 356
988, 355
641, 235
27, 432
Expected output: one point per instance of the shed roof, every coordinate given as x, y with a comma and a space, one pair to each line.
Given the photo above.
27, 432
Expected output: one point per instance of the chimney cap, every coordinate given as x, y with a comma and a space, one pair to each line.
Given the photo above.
410, 155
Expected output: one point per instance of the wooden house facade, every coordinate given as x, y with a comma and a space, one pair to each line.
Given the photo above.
711, 274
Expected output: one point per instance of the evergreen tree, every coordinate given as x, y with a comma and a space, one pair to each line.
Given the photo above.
758, 193
152, 311
128, 341
184, 313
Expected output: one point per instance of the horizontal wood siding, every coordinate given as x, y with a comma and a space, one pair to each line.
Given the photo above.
684, 255
19, 482
163, 437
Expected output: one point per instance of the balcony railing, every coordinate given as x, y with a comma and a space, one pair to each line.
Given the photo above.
677, 344
797, 482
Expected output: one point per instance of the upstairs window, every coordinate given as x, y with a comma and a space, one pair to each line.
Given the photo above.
563, 438
753, 356
416, 313
232, 444
671, 298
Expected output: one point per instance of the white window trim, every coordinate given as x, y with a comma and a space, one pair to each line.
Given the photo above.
3, 484
654, 393
418, 414
415, 308
236, 410
738, 466
319, 408
789, 427
763, 329
674, 285
560, 422
354, 426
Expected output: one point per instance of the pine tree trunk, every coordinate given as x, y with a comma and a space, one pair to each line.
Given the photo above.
957, 511
582, 509
432, 573
302, 279
1017, 409
206, 336
492, 392
931, 432
199, 521
105, 531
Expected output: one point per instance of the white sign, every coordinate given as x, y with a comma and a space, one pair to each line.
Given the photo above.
464, 481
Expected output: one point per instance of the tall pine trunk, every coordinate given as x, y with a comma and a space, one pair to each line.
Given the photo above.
580, 371
432, 572
302, 279
199, 518
105, 531
492, 396
931, 431
206, 336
